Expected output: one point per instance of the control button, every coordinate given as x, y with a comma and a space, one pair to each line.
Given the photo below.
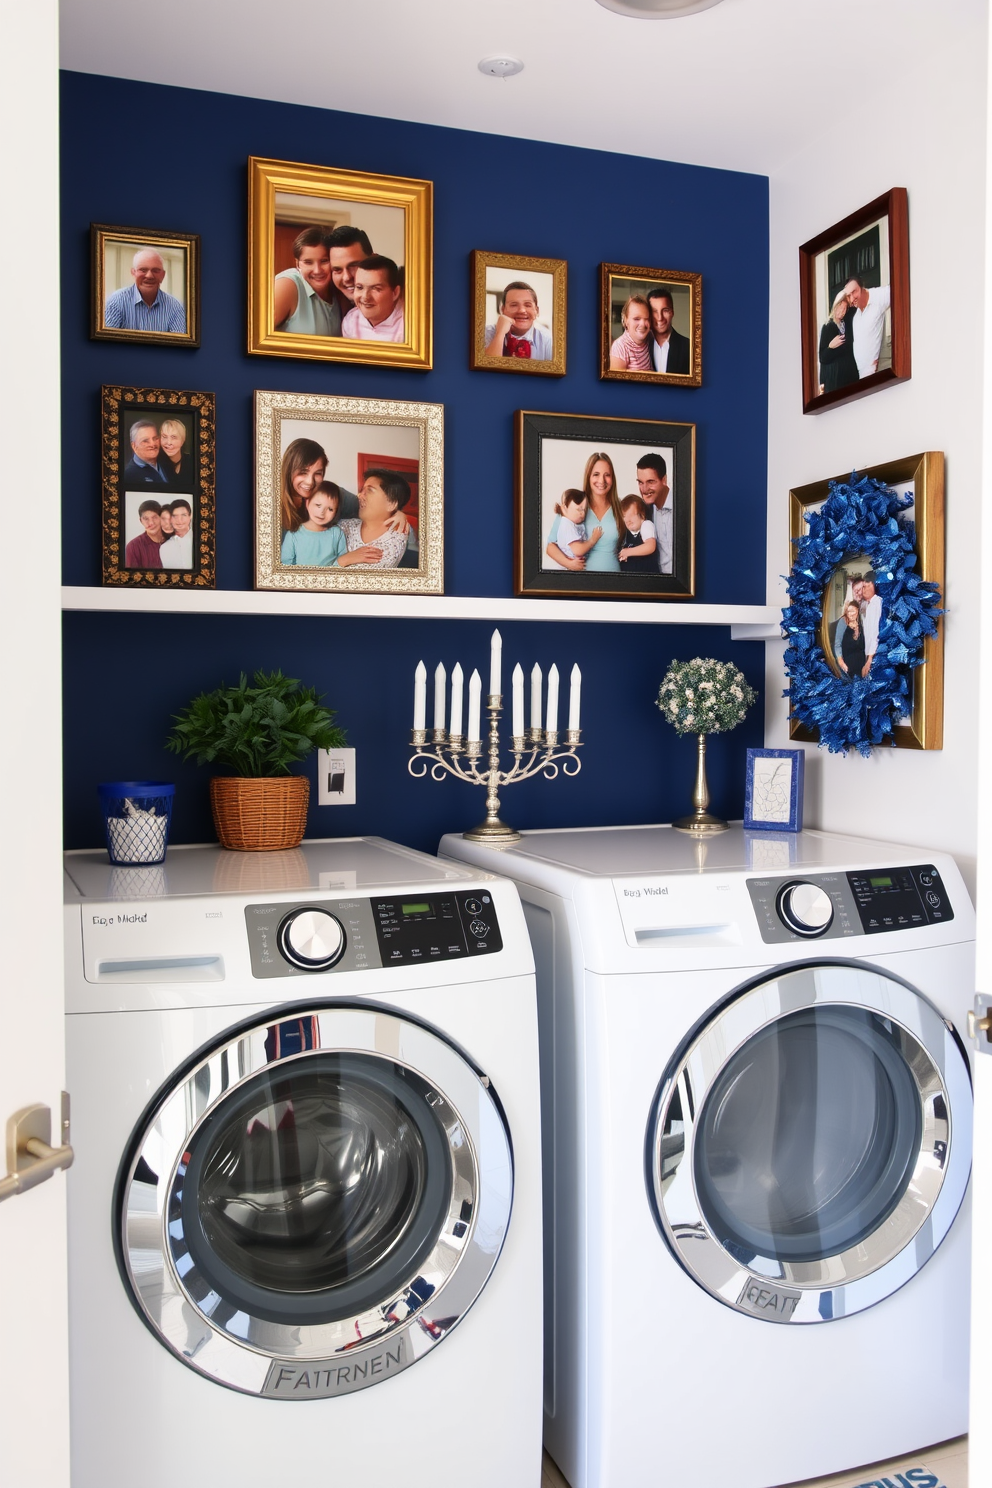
479, 927
805, 909
473, 906
926, 878
933, 898
311, 939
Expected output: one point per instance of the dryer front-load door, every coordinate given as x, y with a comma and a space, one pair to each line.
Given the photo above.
810, 1147
316, 1203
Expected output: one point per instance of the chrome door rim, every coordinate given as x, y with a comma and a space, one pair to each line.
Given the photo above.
845, 1283
308, 1360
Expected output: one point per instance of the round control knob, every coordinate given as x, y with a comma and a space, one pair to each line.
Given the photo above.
311, 939
805, 908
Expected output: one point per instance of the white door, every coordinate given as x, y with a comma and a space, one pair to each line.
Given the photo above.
34, 1431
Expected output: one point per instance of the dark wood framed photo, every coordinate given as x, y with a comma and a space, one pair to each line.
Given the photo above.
158, 488
518, 313
605, 507
651, 325
145, 285
340, 265
854, 304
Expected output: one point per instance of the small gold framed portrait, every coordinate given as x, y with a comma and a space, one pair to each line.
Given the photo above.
518, 313
339, 265
145, 285
651, 325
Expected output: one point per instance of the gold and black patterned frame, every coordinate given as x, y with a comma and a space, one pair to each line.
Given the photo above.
537, 490
111, 248
196, 413
350, 431
326, 187
490, 272
617, 282
923, 726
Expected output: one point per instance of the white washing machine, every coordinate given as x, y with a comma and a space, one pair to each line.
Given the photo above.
758, 1144
305, 1212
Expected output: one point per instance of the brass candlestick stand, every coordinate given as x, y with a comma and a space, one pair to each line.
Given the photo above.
700, 820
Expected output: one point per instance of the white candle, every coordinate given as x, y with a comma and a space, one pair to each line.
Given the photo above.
535, 697
474, 706
457, 680
420, 696
552, 723
440, 677
518, 701
573, 697
495, 664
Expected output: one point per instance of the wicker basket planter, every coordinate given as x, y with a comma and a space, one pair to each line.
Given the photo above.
260, 815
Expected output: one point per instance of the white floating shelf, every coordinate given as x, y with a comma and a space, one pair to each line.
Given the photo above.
756, 618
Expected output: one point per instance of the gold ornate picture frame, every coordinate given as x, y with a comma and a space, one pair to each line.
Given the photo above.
311, 229
922, 477
144, 285
519, 313
671, 300
158, 455
337, 477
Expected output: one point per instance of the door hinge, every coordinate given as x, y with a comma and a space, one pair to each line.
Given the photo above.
980, 1023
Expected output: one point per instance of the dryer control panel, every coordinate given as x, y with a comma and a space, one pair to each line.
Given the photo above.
336, 935
830, 906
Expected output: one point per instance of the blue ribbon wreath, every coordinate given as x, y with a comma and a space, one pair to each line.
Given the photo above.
861, 517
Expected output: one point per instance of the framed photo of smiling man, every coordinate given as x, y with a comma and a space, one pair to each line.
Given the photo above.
651, 325
518, 313
339, 265
145, 285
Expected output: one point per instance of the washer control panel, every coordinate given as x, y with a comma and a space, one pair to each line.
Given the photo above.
336, 935
831, 906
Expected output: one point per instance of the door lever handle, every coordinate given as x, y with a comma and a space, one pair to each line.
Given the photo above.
30, 1156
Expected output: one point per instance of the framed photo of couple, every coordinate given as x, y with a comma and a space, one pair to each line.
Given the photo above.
605, 507
349, 494
518, 313
853, 610
339, 265
651, 325
854, 304
158, 487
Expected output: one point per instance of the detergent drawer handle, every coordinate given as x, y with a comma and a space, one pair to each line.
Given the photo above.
30, 1156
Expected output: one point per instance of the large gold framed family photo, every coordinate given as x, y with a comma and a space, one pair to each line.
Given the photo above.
339, 265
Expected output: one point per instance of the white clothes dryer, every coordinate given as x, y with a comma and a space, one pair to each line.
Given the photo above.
307, 1126
758, 1141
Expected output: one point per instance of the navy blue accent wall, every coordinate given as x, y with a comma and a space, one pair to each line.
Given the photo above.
126, 675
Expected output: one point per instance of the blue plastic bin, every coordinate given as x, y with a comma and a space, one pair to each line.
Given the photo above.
136, 818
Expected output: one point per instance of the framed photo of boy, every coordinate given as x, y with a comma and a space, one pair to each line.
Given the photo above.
605, 507
854, 304
349, 494
145, 285
158, 488
773, 790
518, 313
651, 325
339, 265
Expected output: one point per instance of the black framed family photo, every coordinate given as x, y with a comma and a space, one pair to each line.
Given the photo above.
158, 487
605, 507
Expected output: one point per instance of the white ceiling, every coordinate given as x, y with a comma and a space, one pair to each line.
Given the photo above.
743, 86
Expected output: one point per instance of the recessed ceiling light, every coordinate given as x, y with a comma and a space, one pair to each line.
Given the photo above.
504, 67
657, 10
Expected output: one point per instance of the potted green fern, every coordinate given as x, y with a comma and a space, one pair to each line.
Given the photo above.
256, 731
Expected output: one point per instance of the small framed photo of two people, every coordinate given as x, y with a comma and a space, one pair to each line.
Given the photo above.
518, 313
853, 610
605, 507
339, 265
145, 285
349, 494
158, 487
854, 304
651, 325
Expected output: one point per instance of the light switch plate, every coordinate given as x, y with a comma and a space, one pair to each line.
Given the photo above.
335, 777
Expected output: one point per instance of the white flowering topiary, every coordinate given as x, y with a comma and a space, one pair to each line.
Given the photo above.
703, 696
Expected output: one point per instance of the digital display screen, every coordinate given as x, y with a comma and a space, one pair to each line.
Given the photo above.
880, 883
411, 909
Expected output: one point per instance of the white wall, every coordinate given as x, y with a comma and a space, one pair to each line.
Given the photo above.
927, 133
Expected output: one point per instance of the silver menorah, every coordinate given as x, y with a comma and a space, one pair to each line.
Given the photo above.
535, 750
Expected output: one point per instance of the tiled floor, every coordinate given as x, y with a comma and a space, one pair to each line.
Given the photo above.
947, 1462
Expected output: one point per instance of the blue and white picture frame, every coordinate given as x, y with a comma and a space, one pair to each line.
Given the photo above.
773, 792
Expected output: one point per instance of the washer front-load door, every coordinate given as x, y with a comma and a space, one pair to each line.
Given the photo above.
810, 1147
316, 1204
